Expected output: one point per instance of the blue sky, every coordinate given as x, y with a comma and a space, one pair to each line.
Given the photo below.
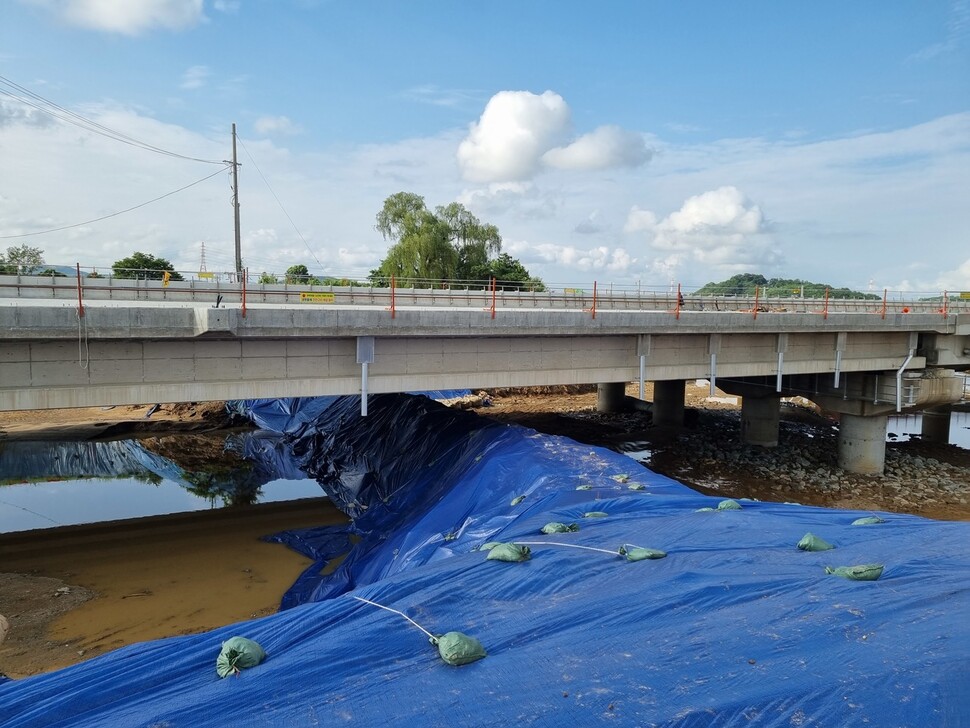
623, 141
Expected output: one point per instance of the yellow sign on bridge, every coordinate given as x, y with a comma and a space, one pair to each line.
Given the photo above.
306, 297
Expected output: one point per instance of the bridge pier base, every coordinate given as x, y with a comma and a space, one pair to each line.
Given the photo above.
611, 397
862, 443
936, 424
668, 403
759, 420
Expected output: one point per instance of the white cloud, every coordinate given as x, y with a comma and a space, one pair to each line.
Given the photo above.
226, 6
195, 77
592, 225
520, 133
436, 96
359, 257
128, 17
269, 125
600, 258
15, 112
604, 148
514, 131
720, 229
639, 220
522, 200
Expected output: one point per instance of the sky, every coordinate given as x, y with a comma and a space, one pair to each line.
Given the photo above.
633, 142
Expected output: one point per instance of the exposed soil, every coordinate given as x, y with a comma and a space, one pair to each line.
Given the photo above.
80, 591
88, 423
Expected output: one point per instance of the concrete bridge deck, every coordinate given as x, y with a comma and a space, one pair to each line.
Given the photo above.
143, 342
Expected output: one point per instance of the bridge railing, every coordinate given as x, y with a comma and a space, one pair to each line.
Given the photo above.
228, 288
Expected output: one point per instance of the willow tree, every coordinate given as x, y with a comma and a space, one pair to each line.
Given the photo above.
449, 243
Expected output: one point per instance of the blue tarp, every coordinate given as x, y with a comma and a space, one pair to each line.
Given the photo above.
735, 627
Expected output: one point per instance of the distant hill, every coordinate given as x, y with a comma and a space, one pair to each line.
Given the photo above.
744, 284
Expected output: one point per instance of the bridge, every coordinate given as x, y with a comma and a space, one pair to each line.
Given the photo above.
78, 343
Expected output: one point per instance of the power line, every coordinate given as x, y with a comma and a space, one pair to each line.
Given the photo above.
56, 111
280, 204
113, 214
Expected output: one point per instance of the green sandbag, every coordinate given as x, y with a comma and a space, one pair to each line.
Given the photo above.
517, 500
556, 527
868, 521
237, 654
509, 552
636, 486
456, 648
584, 487
861, 572
811, 542
729, 505
595, 514
639, 554
620, 478
704, 510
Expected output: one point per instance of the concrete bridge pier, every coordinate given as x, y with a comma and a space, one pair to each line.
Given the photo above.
611, 397
668, 403
936, 424
862, 443
759, 420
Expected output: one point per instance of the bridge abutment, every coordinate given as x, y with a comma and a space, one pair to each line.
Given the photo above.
862, 443
936, 424
668, 403
759, 420
611, 397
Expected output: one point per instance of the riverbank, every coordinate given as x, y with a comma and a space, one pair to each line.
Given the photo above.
75, 592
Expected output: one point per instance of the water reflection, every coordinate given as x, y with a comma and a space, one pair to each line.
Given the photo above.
45, 484
903, 427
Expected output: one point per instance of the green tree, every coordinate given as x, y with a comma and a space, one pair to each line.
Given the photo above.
21, 259
268, 278
475, 242
449, 243
511, 275
144, 266
300, 274
52, 273
744, 284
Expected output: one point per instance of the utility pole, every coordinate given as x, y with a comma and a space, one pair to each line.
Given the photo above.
235, 202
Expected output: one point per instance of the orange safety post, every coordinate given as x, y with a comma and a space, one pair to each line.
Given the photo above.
80, 305
680, 298
946, 303
825, 311
594, 300
493, 296
884, 292
245, 276
393, 310
756, 289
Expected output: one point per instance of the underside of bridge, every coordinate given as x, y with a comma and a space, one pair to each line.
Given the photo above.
863, 402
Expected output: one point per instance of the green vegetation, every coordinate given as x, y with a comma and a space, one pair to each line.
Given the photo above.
744, 284
445, 245
21, 259
144, 266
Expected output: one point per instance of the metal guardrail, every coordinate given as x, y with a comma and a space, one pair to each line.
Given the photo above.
489, 296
